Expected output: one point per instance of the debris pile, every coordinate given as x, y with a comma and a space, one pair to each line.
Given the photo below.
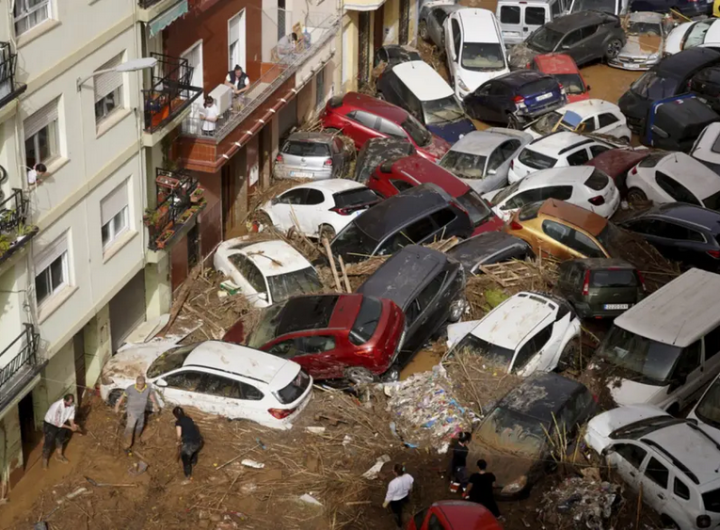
580, 503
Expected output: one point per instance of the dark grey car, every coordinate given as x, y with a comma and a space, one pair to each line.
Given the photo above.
427, 285
431, 20
488, 248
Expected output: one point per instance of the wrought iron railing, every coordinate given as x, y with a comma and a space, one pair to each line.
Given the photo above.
14, 230
9, 87
171, 91
20, 361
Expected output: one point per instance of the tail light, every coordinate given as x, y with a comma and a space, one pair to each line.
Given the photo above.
703, 521
512, 164
633, 171
586, 284
341, 211
518, 99
281, 414
642, 280
562, 89
328, 162
514, 225
255, 227
714, 254
597, 201
279, 159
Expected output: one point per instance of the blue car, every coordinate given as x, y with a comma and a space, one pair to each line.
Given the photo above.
421, 91
516, 98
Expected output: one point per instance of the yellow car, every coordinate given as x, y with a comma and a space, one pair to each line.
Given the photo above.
716, 8
562, 230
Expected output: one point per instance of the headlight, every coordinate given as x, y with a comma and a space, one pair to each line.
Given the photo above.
105, 380
515, 486
463, 86
654, 56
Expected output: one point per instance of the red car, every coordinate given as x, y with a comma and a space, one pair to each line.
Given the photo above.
454, 515
331, 335
362, 117
390, 178
566, 71
617, 162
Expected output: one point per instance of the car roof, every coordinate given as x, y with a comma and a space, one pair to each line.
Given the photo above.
599, 263
678, 313
465, 515
557, 141
396, 211
422, 171
331, 185
555, 176
275, 257
510, 322
318, 137
574, 215
479, 142
422, 80
577, 20
556, 63
473, 250
239, 360
590, 107
375, 106
520, 78
708, 143
646, 16
698, 178
684, 63
709, 219
478, 25
304, 313
616, 162
404, 274
541, 395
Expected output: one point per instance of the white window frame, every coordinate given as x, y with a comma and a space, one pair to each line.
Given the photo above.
27, 12
113, 231
115, 215
109, 90
58, 250
49, 123
237, 56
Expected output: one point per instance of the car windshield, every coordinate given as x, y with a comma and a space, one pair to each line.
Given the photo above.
306, 149
353, 244
572, 83
442, 110
644, 28
546, 123
607, 6
464, 165
472, 344
708, 410
696, 35
170, 360
536, 160
711, 500
650, 361
476, 207
480, 56
712, 202
544, 39
610, 238
283, 286
510, 431
367, 321
420, 135
264, 332
506, 192
652, 86
294, 390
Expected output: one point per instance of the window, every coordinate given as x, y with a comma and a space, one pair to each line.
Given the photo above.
114, 215
388, 127
595, 150
508, 148
30, 13
316, 344
254, 277
673, 188
435, 524
108, 90
681, 490
419, 230
531, 348
363, 118
657, 472
510, 14
572, 38
633, 454
588, 125
216, 385
320, 88
314, 197
496, 159
236, 40
443, 217
285, 349
606, 119
585, 245
400, 185
456, 36
689, 360
52, 270
190, 381
712, 343
41, 136
578, 158
296, 196
534, 16
555, 9
430, 292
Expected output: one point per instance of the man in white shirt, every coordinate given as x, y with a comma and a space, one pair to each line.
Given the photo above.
59, 419
398, 491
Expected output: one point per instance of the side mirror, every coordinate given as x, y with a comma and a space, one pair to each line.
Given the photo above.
657, 130
588, 88
161, 383
386, 167
491, 172
565, 47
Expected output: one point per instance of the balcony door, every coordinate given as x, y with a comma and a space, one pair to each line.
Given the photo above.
194, 56
236, 40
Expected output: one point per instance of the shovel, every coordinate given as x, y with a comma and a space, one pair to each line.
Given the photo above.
101, 485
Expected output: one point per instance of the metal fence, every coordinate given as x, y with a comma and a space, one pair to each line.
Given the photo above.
19, 362
174, 198
9, 87
13, 211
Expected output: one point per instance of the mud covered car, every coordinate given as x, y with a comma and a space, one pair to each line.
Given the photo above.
379, 150
517, 437
646, 32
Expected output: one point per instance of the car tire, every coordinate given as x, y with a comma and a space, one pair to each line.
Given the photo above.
114, 396
359, 376
569, 356
422, 31
612, 49
391, 375
636, 196
326, 231
667, 522
513, 122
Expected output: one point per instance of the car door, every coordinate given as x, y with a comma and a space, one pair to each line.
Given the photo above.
676, 241
678, 505
533, 18
290, 208
221, 396
435, 22
320, 347
430, 311
569, 45
655, 480
363, 127
184, 387
392, 130
673, 189
627, 458
313, 212
508, 150
579, 157
477, 104
609, 124
511, 23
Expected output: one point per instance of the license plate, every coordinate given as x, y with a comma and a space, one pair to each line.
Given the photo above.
301, 174
616, 306
544, 97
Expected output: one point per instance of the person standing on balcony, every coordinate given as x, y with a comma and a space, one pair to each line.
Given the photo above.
209, 114
240, 83
59, 419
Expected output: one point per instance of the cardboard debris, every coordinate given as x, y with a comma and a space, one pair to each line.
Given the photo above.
374, 471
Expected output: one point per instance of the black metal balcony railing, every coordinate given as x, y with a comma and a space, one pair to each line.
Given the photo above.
179, 199
9, 87
14, 232
20, 361
170, 92
146, 4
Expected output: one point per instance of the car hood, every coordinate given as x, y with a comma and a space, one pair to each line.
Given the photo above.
600, 427
641, 46
456, 332
452, 131
572, 98
474, 79
520, 55
627, 392
134, 359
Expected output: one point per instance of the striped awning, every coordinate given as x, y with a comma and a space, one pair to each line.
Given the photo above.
167, 17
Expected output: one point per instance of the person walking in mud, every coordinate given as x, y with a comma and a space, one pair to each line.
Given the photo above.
398, 492
137, 397
59, 420
189, 442
480, 488
458, 462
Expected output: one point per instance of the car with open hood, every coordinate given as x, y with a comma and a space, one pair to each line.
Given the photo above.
565, 71
590, 116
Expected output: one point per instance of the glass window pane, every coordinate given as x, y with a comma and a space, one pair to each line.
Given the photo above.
42, 287
44, 144
57, 272
30, 153
106, 234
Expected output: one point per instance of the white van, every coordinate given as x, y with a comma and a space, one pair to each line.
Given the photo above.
663, 351
519, 18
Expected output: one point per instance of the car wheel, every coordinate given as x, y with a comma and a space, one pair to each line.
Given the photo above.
391, 375
570, 356
636, 197
422, 30
326, 231
613, 49
513, 122
667, 522
114, 396
262, 221
359, 376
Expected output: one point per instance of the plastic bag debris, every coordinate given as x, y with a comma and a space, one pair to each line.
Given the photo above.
373, 472
581, 503
252, 463
306, 497
315, 430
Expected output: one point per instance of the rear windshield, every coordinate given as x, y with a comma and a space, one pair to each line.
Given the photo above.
355, 197
712, 202
572, 83
493, 353
538, 87
652, 160
170, 360
613, 278
294, 390
464, 165
283, 286
306, 149
479, 56
536, 160
353, 244
477, 209
366, 321
711, 500
608, 6
597, 181
529, 211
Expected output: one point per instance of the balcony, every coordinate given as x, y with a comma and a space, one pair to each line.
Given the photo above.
20, 362
14, 232
9, 87
159, 14
169, 99
179, 201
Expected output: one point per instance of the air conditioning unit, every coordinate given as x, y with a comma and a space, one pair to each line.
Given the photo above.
222, 94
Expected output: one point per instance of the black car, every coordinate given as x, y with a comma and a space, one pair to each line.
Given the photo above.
675, 123
488, 248
706, 83
379, 150
418, 215
599, 287
668, 78
515, 98
393, 54
585, 36
517, 435
427, 285
683, 232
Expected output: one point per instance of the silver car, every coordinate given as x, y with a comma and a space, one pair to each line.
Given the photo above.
431, 19
482, 159
646, 32
311, 155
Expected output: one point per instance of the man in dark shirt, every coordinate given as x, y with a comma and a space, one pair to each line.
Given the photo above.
458, 464
189, 441
480, 488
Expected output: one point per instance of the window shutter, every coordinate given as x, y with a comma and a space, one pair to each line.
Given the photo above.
234, 30
41, 118
51, 253
115, 201
106, 83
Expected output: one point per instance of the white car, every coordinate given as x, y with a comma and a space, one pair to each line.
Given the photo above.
266, 272
474, 48
318, 209
672, 461
671, 177
707, 410
215, 377
528, 332
558, 149
691, 34
707, 147
590, 116
584, 186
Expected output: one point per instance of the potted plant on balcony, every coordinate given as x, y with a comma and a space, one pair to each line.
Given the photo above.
197, 195
164, 238
154, 218
185, 216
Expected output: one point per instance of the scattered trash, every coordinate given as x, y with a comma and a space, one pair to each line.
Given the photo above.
260, 444
102, 485
315, 430
347, 440
580, 502
76, 493
252, 463
373, 472
138, 468
309, 499
248, 488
